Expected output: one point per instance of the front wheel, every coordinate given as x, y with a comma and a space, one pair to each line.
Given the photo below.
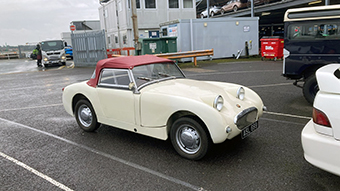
235, 8
86, 116
310, 89
189, 138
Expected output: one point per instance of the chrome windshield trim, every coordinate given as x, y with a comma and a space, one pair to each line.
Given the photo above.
155, 81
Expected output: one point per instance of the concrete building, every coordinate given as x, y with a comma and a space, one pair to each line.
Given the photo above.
115, 18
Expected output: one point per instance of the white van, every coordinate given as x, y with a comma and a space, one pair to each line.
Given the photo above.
53, 52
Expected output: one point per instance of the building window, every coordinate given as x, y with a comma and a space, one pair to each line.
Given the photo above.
165, 31
173, 4
150, 4
137, 4
187, 4
124, 39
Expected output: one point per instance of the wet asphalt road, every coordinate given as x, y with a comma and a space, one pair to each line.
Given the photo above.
42, 148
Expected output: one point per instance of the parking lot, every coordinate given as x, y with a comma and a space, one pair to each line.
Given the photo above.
42, 147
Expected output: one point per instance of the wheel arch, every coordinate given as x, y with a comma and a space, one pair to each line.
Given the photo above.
76, 98
311, 71
189, 114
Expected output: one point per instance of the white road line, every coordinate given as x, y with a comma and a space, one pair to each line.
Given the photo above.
125, 162
34, 107
41, 175
270, 85
286, 115
282, 121
71, 66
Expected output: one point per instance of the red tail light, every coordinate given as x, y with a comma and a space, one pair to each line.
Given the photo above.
320, 118
63, 89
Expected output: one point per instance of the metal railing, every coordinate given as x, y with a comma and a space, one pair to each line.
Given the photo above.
9, 55
189, 54
118, 51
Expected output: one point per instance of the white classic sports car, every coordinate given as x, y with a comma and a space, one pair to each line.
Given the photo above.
321, 135
152, 96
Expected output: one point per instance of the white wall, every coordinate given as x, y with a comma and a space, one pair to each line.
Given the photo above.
148, 19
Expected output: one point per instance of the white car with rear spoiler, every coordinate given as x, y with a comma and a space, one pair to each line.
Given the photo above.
321, 135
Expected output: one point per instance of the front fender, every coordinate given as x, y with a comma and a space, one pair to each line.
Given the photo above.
157, 109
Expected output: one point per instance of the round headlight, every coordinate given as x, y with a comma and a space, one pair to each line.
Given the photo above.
45, 59
218, 103
240, 93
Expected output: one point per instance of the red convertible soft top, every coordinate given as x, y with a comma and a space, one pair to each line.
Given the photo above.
125, 62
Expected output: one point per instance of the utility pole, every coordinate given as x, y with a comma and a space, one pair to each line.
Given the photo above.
117, 15
327, 2
208, 8
252, 8
105, 27
134, 24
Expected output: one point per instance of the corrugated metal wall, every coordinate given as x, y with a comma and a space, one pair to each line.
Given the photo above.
88, 48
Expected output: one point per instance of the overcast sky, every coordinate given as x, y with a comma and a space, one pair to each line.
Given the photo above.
30, 21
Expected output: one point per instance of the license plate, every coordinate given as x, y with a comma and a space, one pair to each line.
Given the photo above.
248, 130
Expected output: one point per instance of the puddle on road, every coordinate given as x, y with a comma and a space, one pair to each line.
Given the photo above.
8, 66
17, 65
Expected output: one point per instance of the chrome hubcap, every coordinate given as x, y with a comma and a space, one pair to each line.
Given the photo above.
188, 139
85, 115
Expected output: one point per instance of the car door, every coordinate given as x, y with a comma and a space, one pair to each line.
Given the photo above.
116, 99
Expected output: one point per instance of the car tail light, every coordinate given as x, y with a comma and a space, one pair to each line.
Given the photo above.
320, 118
63, 89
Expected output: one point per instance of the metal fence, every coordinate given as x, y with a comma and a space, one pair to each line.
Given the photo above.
88, 48
25, 50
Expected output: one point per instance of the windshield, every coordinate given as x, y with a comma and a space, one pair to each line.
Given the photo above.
52, 45
145, 73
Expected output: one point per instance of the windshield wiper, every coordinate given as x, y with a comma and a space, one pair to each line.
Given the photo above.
144, 78
163, 74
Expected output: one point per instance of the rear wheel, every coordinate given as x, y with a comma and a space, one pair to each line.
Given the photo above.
310, 88
189, 138
86, 116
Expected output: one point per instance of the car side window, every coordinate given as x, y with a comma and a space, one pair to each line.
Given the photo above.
114, 78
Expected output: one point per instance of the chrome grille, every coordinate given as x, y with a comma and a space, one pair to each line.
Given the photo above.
246, 117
